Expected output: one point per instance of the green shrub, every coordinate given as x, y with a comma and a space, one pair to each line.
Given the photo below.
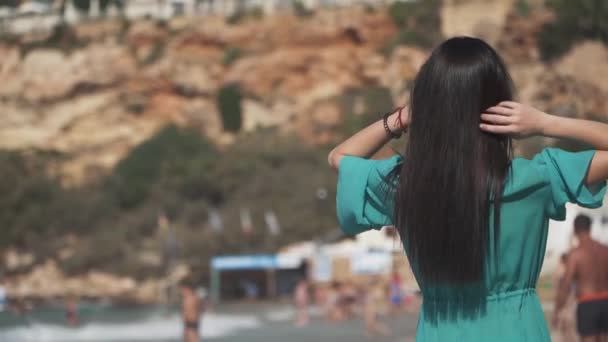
418, 23
255, 12
236, 17
575, 20
407, 37
62, 37
419, 14
241, 14
229, 104
554, 41
155, 54
231, 54
9, 3
300, 10
104, 247
376, 100
125, 25
105, 4
83, 6
523, 8
36, 207
167, 155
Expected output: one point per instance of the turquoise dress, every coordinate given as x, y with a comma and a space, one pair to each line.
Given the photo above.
536, 190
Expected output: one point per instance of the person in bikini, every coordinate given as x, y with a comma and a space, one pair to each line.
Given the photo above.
587, 266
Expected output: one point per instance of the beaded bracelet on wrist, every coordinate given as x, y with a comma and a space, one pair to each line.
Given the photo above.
389, 133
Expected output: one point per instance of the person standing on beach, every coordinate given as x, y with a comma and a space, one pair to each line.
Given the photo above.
374, 298
565, 317
301, 300
396, 293
333, 308
191, 311
587, 266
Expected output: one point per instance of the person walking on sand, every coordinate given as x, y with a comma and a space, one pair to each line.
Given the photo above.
333, 307
565, 317
396, 293
373, 302
587, 267
301, 301
473, 220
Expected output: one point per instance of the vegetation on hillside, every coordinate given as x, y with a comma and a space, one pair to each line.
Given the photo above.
418, 24
229, 103
575, 20
179, 173
112, 223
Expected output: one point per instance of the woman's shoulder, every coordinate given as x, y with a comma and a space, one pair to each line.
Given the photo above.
355, 167
552, 158
548, 165
530, 172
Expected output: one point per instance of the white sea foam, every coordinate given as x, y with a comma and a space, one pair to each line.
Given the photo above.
155, 328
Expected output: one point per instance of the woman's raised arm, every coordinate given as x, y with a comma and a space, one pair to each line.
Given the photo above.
522, 121
369, 140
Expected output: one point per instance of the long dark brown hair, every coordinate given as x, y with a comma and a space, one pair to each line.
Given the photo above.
453, 174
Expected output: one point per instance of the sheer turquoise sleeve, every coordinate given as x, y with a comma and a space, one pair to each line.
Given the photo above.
566, 173
362, 201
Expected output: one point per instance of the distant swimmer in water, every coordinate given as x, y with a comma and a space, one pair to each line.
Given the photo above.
587, 266
191, 311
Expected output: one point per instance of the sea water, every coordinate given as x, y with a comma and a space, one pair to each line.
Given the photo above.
118, 323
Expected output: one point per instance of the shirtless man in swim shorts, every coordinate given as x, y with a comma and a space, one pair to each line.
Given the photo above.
587, 267
191, 311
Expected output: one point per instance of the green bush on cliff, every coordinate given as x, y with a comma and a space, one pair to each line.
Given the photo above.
63, 37
231, 55
9, 3
301, 10
575, 20
418, 24
229, 104
555, 40
172, 153
407, 37
35, 207
376, 102
179, 172
523, 8
241, 14
154, 55
101, 247
83, 6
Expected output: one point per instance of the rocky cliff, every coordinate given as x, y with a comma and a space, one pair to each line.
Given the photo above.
114, 84
119, 84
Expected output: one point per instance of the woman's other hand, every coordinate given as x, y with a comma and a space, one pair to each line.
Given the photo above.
515, 119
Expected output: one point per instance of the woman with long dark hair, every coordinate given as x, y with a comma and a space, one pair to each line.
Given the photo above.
472, 219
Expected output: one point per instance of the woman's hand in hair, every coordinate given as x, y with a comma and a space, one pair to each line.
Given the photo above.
515, 119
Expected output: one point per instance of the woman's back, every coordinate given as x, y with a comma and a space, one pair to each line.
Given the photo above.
473, 221
505, 307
